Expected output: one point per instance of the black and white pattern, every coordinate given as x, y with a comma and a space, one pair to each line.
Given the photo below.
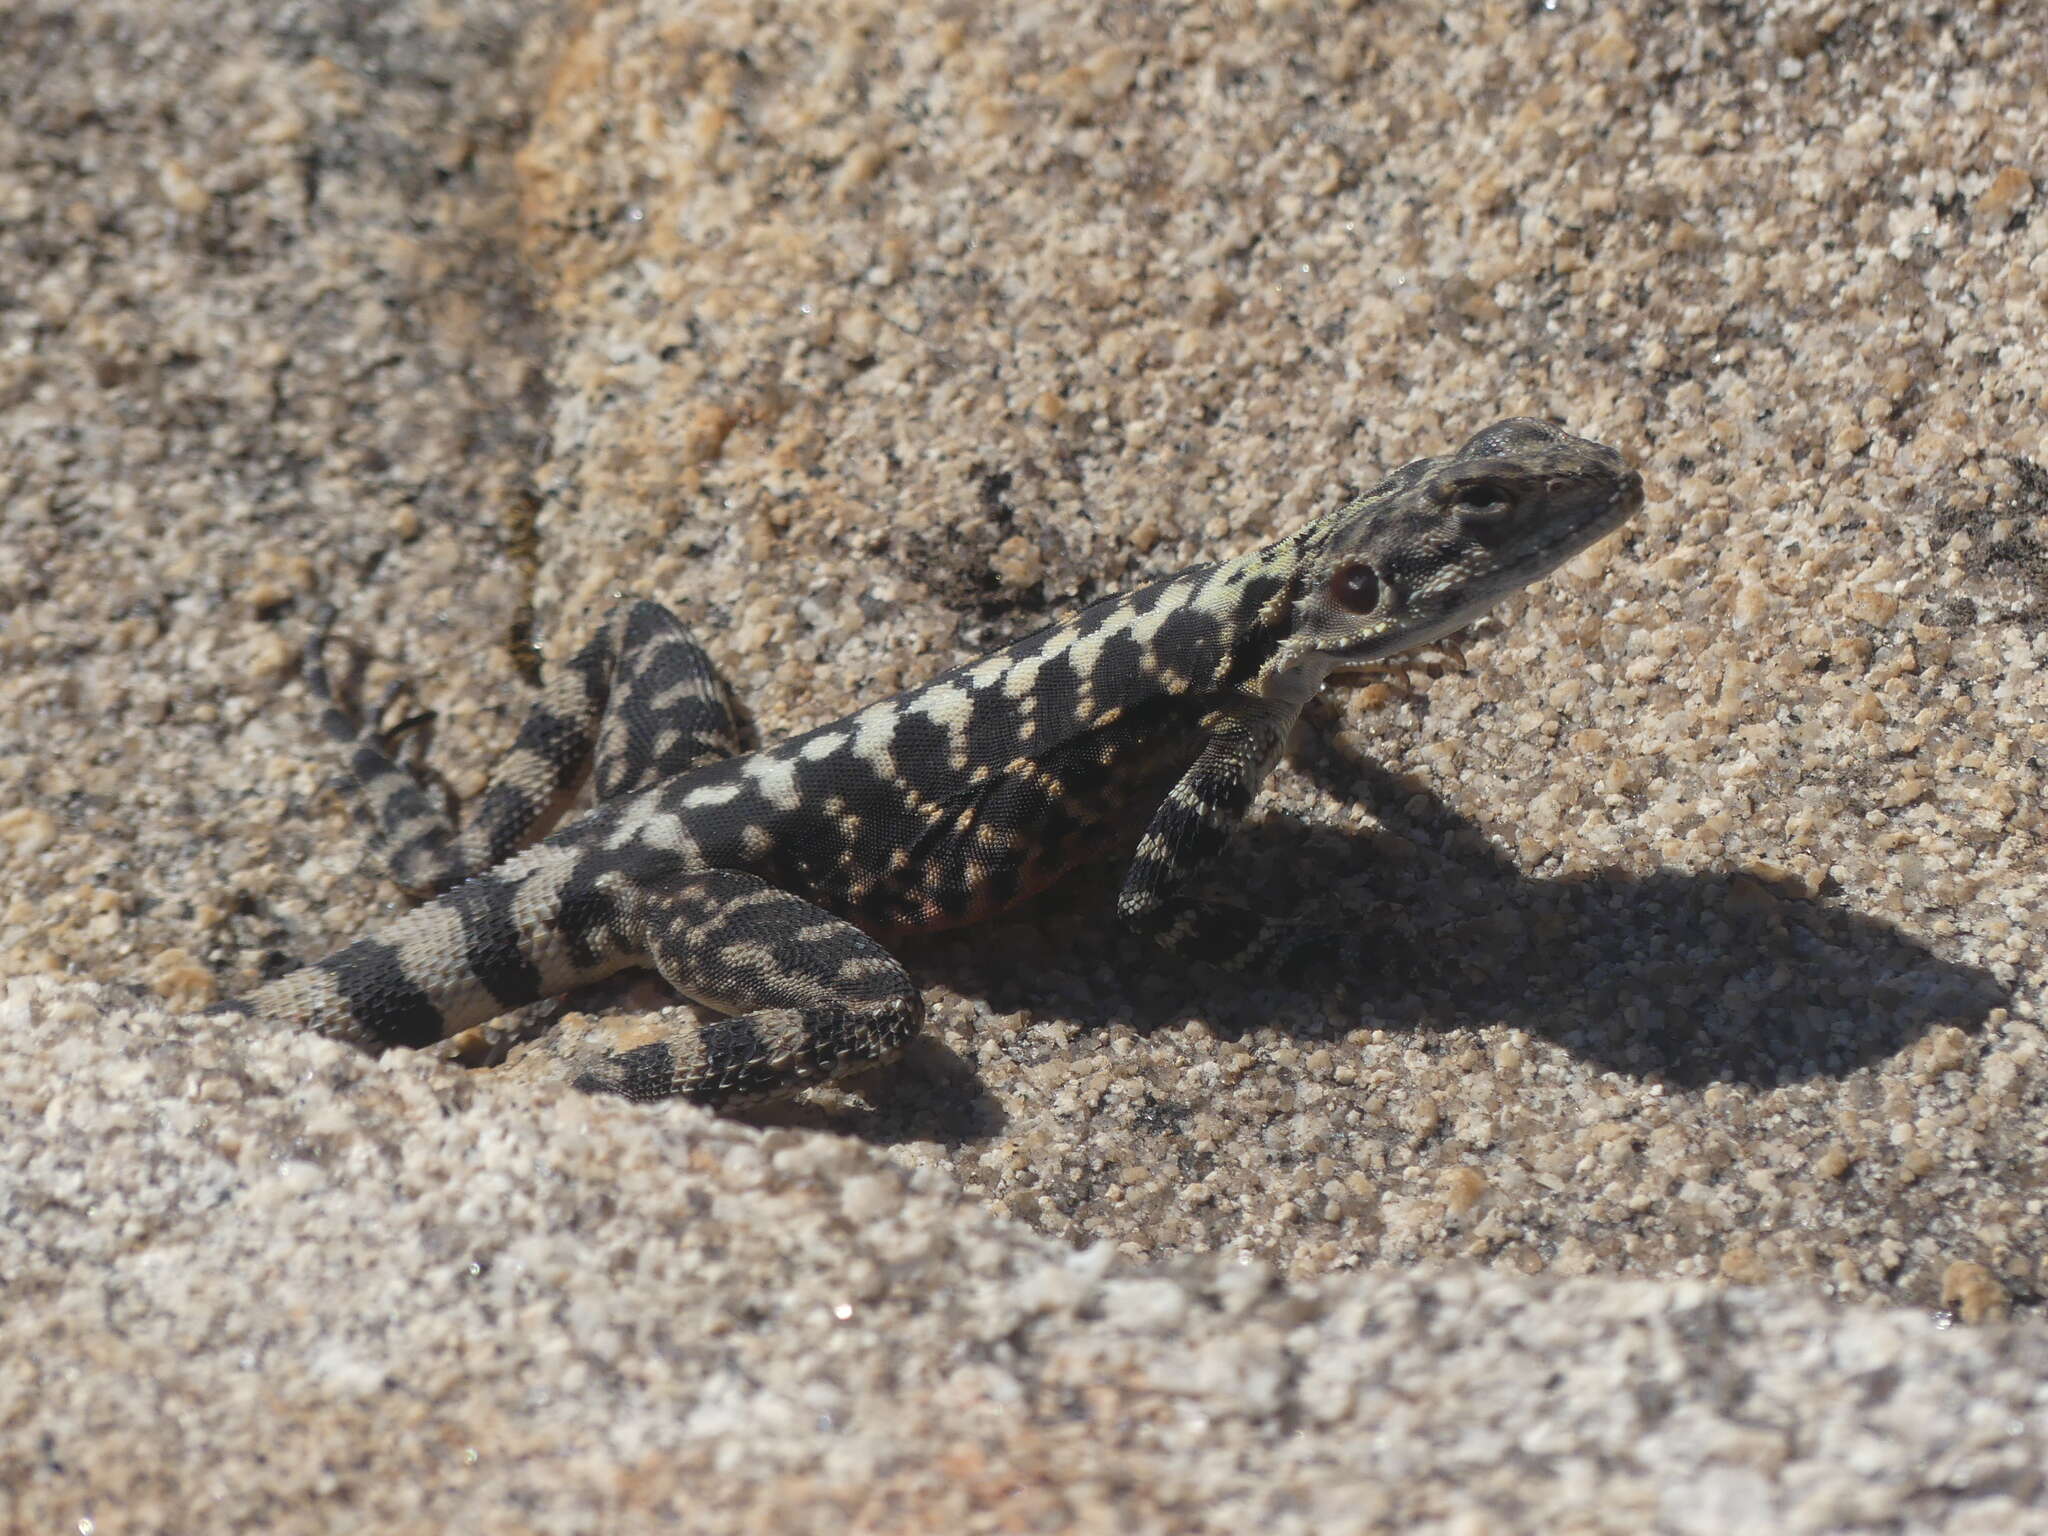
765, 884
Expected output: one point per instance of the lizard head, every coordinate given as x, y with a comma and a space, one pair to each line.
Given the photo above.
1441, 540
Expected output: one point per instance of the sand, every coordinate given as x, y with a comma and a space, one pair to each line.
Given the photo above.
1709, 1197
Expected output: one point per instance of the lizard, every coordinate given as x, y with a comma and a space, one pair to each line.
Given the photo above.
766, 885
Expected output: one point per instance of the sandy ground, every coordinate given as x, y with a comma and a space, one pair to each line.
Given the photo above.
870, 337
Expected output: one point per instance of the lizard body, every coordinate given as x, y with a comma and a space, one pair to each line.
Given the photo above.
764, 884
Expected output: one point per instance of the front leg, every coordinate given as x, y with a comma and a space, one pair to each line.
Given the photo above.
1190, 827
814, 998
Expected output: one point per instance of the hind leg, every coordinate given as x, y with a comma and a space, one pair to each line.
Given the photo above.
639, 703
812, 997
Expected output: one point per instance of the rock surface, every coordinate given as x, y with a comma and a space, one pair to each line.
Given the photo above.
266, 1286
867, 338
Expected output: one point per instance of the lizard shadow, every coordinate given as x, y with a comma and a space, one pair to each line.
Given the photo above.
1691, 978
929, 1093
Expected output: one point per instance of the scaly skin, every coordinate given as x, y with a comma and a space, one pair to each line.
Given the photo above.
765, 884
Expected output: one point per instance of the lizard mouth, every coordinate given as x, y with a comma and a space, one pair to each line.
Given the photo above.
1539, 560
1626, 501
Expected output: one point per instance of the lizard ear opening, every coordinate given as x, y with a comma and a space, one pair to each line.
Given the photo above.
1355, 588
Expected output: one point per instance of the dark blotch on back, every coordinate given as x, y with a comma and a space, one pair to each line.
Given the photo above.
1118, 666
1255, 593
1056, 692
995, 728
1252, 646
920, 753
1191, 643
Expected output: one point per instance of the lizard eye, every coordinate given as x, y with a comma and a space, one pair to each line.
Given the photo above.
1355, 588
1477, 496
